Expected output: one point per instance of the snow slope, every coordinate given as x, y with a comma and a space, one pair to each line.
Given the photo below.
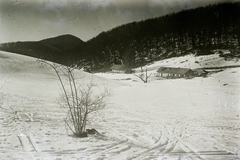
193, 62
170, 119
188, 61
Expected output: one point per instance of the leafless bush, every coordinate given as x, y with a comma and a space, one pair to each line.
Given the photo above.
80, 100
144, 76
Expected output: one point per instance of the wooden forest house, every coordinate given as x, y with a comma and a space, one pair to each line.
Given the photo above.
121, 68
118, 68
170, 72
200, 72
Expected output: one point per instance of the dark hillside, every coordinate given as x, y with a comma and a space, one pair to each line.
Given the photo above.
62, 49
63, 43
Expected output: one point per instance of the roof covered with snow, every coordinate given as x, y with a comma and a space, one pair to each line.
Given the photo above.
118, 67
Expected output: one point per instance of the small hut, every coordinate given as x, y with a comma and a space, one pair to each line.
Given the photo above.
121, 68
118, 68
200, 72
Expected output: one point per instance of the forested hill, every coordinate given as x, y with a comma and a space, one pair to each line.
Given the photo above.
192, 31
62, 49
195, 31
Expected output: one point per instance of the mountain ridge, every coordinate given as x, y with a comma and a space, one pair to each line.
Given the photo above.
63, 40
60, 49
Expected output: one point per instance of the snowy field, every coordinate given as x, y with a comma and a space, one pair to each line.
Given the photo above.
178, 119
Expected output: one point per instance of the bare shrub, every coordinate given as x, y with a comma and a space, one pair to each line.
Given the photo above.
79, 99
144, 76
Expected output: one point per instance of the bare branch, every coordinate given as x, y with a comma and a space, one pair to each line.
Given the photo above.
142, 76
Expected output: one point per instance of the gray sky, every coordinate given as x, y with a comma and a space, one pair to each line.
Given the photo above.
31, 20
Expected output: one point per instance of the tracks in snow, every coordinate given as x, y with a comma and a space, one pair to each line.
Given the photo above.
111, 150
29, 145
164, 145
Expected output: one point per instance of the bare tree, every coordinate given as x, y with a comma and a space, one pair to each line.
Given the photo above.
80, 100
144, 76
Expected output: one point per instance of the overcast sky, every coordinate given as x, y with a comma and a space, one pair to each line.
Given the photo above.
31, 20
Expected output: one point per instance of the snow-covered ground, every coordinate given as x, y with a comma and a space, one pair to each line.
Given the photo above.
193, 62
188, 61
176, 119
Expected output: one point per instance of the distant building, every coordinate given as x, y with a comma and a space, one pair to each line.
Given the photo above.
200, 72
120, 68
170, 72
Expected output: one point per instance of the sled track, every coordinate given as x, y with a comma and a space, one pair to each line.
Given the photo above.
166, 149
161, 149
112, 148
29, 145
